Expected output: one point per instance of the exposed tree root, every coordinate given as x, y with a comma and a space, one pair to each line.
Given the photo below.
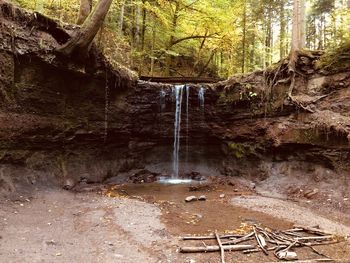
284, 73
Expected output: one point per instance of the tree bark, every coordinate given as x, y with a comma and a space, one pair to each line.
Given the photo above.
80, 43
84, 11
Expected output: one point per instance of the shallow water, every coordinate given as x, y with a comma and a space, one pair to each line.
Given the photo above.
198, 217
167, 180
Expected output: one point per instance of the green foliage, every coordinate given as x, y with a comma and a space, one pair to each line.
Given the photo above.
240, 150
208, 38
336, 58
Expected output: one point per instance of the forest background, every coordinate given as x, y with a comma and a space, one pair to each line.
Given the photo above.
205, 38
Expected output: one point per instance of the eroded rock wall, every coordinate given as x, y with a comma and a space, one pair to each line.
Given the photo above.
63, 120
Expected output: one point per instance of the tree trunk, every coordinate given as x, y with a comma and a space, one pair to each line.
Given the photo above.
121, 18
268, 38
169, 58
282, 31
244, 36
296, 36
153, 47
84, 11
143, 31
302, 21
137, 25
80, 43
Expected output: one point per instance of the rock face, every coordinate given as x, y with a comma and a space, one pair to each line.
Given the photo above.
61, 120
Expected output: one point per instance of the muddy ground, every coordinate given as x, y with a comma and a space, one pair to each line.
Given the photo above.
143, 222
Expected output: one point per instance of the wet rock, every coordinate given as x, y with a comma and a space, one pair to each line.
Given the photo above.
194, 176
202, 198
143, 176
191, 198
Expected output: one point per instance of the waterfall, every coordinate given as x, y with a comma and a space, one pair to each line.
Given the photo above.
177, 91
187, 104
201, 97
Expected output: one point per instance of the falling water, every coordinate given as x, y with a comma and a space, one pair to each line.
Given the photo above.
187, 100
201, 97
177, 91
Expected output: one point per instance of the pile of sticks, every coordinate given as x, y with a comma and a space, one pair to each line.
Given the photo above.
259, 239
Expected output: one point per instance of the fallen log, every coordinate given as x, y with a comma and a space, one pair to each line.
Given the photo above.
215, 248
210, 237
239, 240
313, 230
180, 79
222, 251
315, 238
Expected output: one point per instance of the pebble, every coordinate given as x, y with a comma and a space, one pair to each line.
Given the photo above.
190, 198
222, 196
51, 242
202, 198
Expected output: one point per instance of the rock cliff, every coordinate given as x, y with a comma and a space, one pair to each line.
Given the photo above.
62, 120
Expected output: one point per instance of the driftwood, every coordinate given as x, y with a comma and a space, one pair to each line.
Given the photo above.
280, 242
215, 248
239, 240
209, 237
315, 238
260, 240
222, 251
312, 230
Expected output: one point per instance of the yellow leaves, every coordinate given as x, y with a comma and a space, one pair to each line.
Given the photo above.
158, 13
244, 228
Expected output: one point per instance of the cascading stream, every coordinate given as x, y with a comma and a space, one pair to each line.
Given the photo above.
177, 97
187, 105
201, 93
178, 92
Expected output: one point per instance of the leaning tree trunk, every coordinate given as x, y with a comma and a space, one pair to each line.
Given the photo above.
84, 11
79, 45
